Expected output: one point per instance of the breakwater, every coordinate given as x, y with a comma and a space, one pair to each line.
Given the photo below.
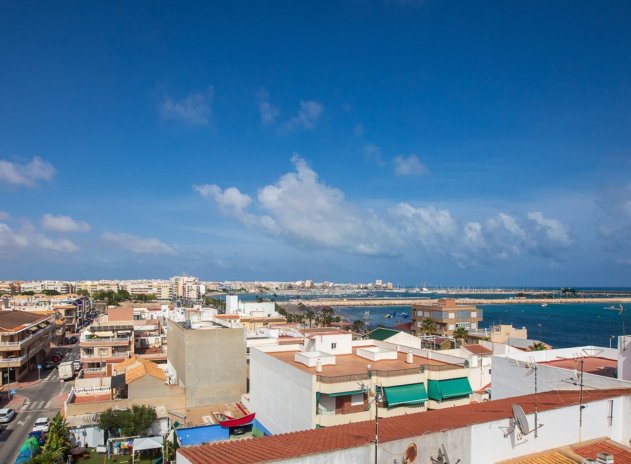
333, 302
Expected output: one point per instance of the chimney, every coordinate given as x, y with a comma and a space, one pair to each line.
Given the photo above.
604, 458
318, 365
410, 358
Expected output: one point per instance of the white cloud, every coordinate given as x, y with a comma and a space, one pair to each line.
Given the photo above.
408, 166
64, 224
429, 226
302, 210
555, 230
142, 245
267, 111
307, 117
9, 239
195, 109
4, 216
27, 237
61, 245
26, 175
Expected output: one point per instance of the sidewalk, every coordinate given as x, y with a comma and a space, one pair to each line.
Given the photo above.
14, 403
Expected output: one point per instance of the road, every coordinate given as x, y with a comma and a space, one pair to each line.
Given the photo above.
39, 402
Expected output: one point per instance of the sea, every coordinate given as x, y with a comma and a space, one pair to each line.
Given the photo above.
560, 325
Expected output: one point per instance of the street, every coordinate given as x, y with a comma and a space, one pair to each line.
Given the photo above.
41, 399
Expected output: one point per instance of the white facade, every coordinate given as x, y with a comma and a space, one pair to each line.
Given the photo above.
513, 374
488, 442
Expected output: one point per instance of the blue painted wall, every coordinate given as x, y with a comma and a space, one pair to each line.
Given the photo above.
203, 434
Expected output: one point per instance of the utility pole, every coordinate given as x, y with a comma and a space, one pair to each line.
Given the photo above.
580, 405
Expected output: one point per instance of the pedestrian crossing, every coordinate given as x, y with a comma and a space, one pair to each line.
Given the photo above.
36, 405
54, 375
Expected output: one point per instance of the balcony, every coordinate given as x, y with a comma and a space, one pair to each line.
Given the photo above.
12, 362
110, 358
105, 341
18, 345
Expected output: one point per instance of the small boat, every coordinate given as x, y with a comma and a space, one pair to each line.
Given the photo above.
226, 421
543, 305
610, 307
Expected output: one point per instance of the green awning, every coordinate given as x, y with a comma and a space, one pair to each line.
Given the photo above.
413, 393
354, 392
446, 389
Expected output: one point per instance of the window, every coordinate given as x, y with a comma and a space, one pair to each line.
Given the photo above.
333, 346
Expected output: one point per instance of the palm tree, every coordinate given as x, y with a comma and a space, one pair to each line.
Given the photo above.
537, 346
57, 443
358, 326
310, 315
461, 333
428, 326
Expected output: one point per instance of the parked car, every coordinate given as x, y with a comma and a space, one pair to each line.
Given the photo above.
41, 424
49, 365
6, 415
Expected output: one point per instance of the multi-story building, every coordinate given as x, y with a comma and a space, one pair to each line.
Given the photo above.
108, 341
24, 342
209, 360
332, 380
447, 315
93, 286
41, 285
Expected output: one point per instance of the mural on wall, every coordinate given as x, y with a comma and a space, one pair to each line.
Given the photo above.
409, 457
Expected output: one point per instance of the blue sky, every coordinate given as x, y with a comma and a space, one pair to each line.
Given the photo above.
453, 143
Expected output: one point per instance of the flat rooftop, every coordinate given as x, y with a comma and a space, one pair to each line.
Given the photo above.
351, 364
591, 365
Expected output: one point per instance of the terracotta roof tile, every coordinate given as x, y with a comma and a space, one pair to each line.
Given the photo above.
13, 321
621, 454
477, 349
550, 457
290, 445
136, 367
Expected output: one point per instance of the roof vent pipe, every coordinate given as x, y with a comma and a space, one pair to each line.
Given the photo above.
318, 365
410, 357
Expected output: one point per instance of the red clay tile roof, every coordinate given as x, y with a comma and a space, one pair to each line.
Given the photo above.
289, 445
621, 454
477, 349
591, 365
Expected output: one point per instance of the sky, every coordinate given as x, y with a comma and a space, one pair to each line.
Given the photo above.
419, 142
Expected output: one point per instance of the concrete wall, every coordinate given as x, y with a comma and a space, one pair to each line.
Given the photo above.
282, 396
485, 443
73, 409
560, 428
210, 363
90, 436
149, 387
511, 378
624, 358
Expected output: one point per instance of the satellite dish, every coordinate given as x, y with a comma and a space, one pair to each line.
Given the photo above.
521, 421
445, 456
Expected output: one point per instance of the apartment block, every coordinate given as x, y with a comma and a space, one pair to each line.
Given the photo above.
447, 315
331, 380
24, 342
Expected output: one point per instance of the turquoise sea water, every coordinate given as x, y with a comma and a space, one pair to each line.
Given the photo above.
560, 325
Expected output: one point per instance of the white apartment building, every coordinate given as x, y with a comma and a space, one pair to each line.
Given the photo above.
331, 379
38, 286
93, 286
187, 287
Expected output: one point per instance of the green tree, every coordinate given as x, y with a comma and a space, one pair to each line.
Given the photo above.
358, 326
143, 298
50, 292
537, 346
461, 333
82, 292
57, 443
127, 422
310, 315
428, 326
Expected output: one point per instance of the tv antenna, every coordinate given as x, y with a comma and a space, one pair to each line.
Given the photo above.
443, 457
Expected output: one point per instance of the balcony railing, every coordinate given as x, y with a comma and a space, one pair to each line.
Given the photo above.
346, 410
20, 343
12, 361
342, 378
97, 357
105, 340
